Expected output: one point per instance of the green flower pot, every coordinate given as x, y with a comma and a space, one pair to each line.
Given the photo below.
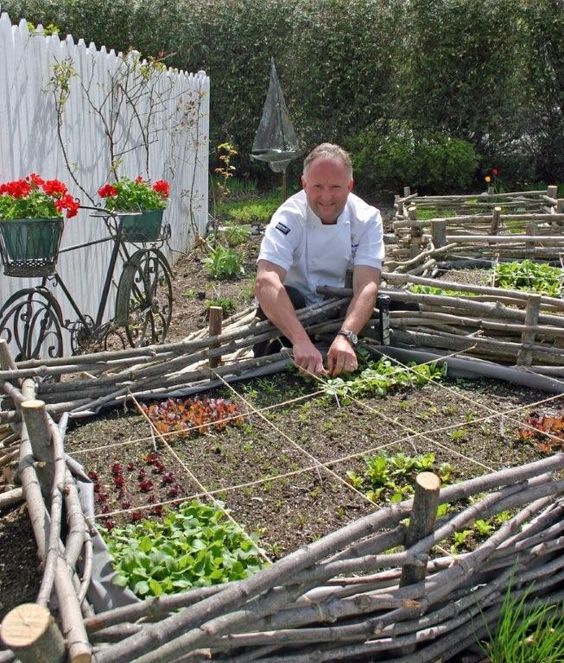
143, 227
30, 247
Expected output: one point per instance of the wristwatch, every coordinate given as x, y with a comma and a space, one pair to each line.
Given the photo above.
351, 337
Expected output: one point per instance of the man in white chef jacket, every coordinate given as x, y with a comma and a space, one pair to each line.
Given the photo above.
312, 239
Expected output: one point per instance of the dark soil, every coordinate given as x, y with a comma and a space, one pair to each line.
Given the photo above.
282, 471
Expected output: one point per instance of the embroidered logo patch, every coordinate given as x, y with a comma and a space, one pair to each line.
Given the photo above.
282, 228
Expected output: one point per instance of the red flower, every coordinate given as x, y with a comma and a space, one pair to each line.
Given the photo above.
162, 187
16, 189
107, 191
494, 172
54, 188
35, 179
68, 203
138, 180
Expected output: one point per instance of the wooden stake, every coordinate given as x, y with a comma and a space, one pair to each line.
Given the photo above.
215, 324
422, 521
525, 356
31, 633
495, 220
421, 524
34, 415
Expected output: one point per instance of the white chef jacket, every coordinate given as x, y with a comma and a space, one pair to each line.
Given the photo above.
313, 253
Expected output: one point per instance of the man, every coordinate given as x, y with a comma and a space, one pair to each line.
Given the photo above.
312, 239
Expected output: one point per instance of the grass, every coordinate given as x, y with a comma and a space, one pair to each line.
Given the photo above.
526, 632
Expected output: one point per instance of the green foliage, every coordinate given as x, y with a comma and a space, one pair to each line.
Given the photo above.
434, 213
392, 154
224, 263
527, 631
391, 478
128, 195
234, 235
438, 65
529, 276
250, 211
381, 376
228, 305
194, 547
432, 290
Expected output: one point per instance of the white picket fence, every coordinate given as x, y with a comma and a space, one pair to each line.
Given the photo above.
158, 119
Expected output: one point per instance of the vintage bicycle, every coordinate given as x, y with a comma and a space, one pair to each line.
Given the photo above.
32, 319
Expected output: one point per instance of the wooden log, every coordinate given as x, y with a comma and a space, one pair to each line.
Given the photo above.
9, 497
214, 326
6, 360
35, 419
30, 632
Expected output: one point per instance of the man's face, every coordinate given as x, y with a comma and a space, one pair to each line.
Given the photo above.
327, 185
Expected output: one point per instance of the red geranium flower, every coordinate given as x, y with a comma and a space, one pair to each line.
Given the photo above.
136, 195
162, 187
34, 197
107, 191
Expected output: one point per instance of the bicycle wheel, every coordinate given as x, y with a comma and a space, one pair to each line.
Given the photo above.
32, 321
144, 299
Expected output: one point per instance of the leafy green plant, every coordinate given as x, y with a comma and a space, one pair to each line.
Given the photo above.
35, 197
234, 235
227, 304
391, 478
196, 546
381, 376
526, 631
224, 263
136, 195
432, 290
529, 276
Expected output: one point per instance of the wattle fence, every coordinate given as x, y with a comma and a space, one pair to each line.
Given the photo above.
78, 113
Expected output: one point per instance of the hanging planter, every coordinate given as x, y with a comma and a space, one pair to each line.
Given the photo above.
139, 205
30, 247
143, 226
31, 224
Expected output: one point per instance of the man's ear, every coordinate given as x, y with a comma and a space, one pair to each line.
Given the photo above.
350, 185
304, 183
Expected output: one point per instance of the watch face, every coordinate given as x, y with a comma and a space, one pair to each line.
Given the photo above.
351, 337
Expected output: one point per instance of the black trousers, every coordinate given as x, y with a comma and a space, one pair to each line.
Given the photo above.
272, 346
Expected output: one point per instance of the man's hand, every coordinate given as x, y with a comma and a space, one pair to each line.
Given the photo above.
308, 357
341, 357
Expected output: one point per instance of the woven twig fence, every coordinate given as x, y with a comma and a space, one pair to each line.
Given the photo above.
544, 201
82, 385
474, 239
506, 326
378, 588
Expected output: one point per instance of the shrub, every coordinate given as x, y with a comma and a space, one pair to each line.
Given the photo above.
392, 155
